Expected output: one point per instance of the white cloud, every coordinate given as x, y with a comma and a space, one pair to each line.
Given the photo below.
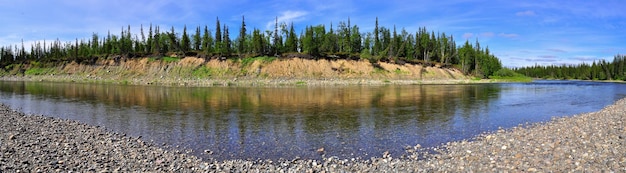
286, 16
487, 34
525, 13
508, 35
468, 35
556, 50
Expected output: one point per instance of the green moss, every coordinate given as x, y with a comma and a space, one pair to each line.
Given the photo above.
398, 71
264, 59
379, 71
202, 72
39, 71
166, 59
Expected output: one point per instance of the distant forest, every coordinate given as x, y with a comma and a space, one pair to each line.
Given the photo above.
601, 70
343, 41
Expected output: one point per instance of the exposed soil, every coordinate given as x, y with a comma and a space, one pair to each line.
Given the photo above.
200, 72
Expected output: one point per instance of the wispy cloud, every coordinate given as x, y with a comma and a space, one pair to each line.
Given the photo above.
525, 13
286, 16
468, 35
548, 57
505, 35
556, 50
585, 58
487, 34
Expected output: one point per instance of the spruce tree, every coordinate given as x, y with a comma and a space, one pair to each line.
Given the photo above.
218, 36
242, 37
377, 47
207, 41
197, 41
292, 40
185, 42
226, 47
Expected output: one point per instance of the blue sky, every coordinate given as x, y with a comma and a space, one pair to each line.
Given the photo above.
520, 33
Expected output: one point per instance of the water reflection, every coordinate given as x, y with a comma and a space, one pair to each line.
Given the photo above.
288, 122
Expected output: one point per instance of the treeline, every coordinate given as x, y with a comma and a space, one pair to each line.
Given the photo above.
600, 70
343, 41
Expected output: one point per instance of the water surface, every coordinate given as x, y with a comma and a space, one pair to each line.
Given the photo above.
290, 122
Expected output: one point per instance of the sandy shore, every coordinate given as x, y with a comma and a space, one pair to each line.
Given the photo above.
593, 142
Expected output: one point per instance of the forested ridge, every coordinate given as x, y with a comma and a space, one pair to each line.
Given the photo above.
341, 41
600, 70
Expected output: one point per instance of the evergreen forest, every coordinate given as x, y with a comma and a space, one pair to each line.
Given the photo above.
600, 70
341, 41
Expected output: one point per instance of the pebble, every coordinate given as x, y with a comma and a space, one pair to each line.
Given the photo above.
592, 142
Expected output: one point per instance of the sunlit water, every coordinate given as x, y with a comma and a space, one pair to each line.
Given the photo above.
290, 122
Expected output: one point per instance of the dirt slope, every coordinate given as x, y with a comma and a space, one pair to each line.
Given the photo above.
190, 70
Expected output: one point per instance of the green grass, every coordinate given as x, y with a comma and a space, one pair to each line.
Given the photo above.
38, 71
398, 71
166, 59
300, 83
508, 75
264, 59
208, 72
202, 72
512, 78
379, 71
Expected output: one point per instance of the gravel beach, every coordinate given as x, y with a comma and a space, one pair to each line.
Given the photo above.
592, 142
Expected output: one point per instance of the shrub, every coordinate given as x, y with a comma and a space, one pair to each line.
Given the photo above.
504, 72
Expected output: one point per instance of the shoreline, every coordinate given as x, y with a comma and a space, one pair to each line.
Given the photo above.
192, 71
593, 142
249, 82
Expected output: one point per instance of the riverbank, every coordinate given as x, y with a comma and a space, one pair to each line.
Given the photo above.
245, 82
262, 71
32, 143
590, 142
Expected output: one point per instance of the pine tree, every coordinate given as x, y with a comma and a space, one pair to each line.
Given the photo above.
355, 40
185, 42
292, 40
156, 42
226, 49
218, 37
173, 41
197, 41
149, 40
257, 42
242, 37
277, 41
207, 41
141, 45
95, 47
377, 47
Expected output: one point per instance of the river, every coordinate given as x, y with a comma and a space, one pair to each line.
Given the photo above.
298, 121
